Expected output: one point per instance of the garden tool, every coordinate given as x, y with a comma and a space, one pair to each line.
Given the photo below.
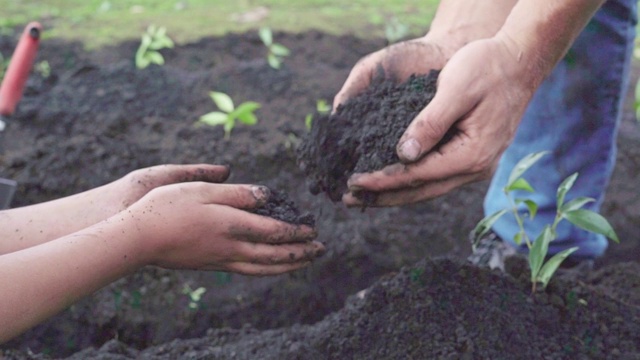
11, 89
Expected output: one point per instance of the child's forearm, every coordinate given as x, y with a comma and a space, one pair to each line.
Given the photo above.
42, 280
28, 226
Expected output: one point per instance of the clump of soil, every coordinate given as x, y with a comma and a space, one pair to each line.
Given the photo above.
361, 136
280, 207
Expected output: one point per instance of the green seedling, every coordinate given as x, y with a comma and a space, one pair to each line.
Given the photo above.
276, 51
572, 211
153, 40
43, 68
394, 30
322, 107
229, 114
194, 295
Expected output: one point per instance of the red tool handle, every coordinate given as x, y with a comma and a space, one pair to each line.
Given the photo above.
19, 68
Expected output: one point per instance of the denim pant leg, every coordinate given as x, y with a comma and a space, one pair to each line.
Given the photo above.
575, 115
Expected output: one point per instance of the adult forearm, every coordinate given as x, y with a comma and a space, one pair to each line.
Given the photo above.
540, 32
40, 281
458, 22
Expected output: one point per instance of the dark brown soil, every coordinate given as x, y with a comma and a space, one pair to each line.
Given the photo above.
362, 134
280, 207
380, 291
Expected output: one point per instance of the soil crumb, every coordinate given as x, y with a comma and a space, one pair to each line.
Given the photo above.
361, 136
280, 207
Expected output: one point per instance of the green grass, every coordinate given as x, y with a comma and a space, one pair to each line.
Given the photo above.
99, 22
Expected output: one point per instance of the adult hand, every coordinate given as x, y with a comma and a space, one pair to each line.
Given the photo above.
482, 93
205, 226
397, 62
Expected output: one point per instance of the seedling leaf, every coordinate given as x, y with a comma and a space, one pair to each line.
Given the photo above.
523, 165
214, 118
266, 36
552, 265
308, 121
322, 107
485, 224
532, 207
279, 50
517, 238
222, 100
248, 118
576, 204
247, 107
539, 251
564, 187
155, 57
591, 221
273, 61
520, 184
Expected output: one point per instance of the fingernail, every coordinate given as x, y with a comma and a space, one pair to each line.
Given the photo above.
260, 193
410, 150
320, 252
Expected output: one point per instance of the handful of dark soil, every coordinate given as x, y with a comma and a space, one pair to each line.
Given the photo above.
361, 136
280, 207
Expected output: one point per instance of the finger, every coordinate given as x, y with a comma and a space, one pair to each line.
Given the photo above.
261, 229
197, 172
265, 254
452, 159
233, 195
358, 80
265, 270
411, 195
453, 100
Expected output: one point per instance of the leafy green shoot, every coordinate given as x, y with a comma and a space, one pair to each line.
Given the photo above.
153, 40
229, 113
543, 269
322, 107
276, 52
394, 30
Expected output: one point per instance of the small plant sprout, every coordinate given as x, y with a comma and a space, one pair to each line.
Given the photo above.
394, 30
322, 107
229, 114
194, 296
153, 40
276, 51
542, 270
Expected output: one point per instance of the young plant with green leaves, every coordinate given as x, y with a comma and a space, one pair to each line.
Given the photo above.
229, 114
276, 52
394, 30
194, 295
154, 40
542, 269
322, 107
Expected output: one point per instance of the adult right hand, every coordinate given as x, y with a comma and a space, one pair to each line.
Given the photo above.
206, 226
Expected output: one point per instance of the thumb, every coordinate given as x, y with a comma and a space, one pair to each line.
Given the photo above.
449, 105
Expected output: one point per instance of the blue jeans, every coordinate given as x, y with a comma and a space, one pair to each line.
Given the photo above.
574, 114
